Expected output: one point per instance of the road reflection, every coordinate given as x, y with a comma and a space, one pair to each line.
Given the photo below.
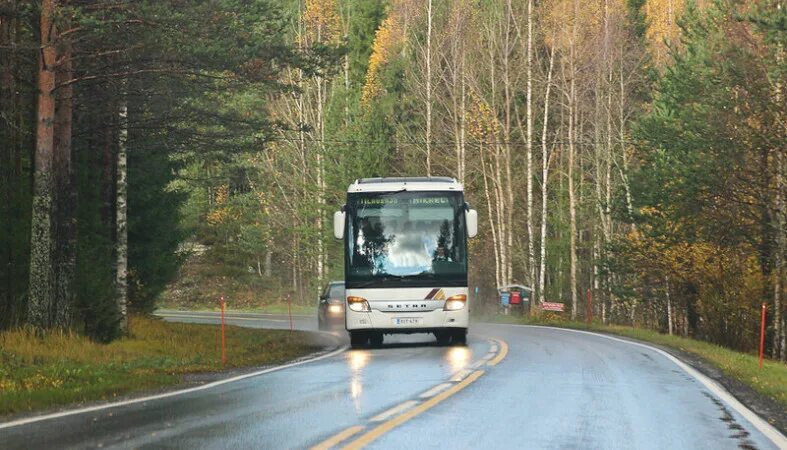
357, 360
458, 357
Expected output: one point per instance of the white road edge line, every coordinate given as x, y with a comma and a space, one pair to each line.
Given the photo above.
762, 425
393, 411
30, 420
435, 390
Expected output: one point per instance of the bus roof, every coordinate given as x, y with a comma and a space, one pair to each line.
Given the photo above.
406, 184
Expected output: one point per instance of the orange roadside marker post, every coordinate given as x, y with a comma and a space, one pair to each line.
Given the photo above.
223, 349
289, 309
762, 334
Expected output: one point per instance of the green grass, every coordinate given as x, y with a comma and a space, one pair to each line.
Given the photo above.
61, 368
770, 381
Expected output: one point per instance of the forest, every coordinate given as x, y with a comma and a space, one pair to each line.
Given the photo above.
632, 150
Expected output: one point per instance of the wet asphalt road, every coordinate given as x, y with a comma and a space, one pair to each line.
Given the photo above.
553, 389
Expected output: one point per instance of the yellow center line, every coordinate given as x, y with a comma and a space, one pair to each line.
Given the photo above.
385, 427
339, 437
502, 354
374, 433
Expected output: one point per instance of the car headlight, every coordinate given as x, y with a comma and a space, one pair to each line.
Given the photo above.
358, 304
455, 302
334, 309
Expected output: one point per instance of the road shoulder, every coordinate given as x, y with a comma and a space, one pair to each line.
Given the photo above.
190, 382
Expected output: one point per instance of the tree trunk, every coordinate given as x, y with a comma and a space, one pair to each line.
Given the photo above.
7, 148
531, 255
507, 92
780, 334
669, 305
492, 226
572, 210
572, 207
429, 89
462, 124
41, 292
624, 170
544, 182
65, 192
609, 152
268, 260
121, 222
781, 249
320, 185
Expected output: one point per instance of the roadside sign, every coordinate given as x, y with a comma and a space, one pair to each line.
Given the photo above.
551, 306
505, 297
516, 298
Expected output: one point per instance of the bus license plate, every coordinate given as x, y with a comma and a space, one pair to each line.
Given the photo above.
407, 321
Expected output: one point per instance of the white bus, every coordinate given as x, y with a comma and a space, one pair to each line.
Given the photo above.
405, 258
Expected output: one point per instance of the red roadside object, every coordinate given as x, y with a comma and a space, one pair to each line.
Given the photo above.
553, 306
516, 298
289, 309
223, 349
762, 334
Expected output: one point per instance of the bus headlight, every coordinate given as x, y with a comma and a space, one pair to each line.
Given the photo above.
455, 302
358, 304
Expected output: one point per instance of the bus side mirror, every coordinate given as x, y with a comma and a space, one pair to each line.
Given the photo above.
338, 224
471, 217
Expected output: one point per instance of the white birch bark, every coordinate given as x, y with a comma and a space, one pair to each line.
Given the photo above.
509, 218
121, 219
529, 149
489, 207
669, 305
609, 150
429, 89
780, 334
572, 207
462, 123
544, 182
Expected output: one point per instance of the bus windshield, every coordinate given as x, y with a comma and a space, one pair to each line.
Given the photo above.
400, 239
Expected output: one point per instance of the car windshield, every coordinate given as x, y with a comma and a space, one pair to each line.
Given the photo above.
336, 291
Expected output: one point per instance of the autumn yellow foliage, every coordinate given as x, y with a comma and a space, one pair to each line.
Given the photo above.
321, 22
663, 30
482, 124
573, 22
221, 213
724, 284
387, 38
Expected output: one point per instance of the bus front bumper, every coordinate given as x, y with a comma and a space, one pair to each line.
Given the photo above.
407, 322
